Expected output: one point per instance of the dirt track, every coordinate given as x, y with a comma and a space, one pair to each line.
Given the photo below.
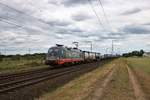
139, 94
119, 84
98, 92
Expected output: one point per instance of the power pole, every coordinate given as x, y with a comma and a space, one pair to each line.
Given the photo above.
5, 50
112, 47
91, 46
106, 50
29, 50
0, 52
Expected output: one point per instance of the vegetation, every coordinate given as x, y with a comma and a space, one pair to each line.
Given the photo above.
13, 62
19, 57
120, 87
80, 87
141, 67
142, 64
134, 53
83, 88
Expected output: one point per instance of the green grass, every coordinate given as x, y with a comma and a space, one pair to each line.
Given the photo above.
13, 65
142, 64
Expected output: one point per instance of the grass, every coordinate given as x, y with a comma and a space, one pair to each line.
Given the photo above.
141, 67
80, 87
120, 87
13, 65
142, 64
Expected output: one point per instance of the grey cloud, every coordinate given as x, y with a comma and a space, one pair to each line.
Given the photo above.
21, 20
132, 29
59, 23
74, 2
116, 34
148, 24
81, 17
70, 3
102, 37
111, 37
83, 35
70, 31
53, 2
132, 11
76, 30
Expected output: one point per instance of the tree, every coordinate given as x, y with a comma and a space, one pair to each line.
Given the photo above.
134, 53
141, 52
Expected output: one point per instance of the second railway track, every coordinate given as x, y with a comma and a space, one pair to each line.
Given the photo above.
30, 78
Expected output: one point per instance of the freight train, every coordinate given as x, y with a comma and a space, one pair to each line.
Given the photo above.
61, 55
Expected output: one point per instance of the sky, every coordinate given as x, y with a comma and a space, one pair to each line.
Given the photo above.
34, 26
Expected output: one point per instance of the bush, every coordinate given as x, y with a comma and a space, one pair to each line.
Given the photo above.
1, 57
134, 53
16, 57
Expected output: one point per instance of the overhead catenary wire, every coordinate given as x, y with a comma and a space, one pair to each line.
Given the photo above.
104, 13
8, 22
14, 24
17, 25
99, 20
26, 14
21, 12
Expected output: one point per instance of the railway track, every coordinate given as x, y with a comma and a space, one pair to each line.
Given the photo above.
18, 74
20, 80
27, 74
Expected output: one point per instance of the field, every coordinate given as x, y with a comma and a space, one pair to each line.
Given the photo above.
79, 88
142, 64
9, 64
120, 79
116, 79
141, 67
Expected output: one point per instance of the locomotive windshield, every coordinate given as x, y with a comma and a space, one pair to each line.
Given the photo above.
54, 52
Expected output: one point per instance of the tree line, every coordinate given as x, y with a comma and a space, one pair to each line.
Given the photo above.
134, 53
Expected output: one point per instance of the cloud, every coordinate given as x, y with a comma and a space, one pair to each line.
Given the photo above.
48, 22
69, 31
148, 24
81, 16
136, 29
74, 2
132, 11
59, 23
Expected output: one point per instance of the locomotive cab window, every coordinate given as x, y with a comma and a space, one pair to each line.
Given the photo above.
55, 52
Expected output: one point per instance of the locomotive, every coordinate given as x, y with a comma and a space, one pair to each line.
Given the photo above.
60, 55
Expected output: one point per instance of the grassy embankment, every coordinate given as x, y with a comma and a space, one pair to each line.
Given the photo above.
9, 64
141, 67
80, 87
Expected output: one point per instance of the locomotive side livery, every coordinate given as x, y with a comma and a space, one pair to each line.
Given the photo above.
60, 55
